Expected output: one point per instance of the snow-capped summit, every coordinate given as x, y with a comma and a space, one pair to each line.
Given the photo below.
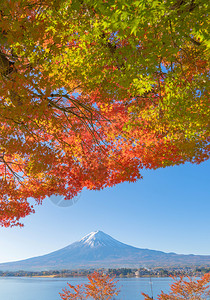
99, 238
97, 250
94, 239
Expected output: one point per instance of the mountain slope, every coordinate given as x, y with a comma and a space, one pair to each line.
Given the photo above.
98, 249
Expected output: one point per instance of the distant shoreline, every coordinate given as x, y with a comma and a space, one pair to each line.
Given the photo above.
157, 272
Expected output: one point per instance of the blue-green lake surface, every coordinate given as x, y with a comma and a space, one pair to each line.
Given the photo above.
26, 288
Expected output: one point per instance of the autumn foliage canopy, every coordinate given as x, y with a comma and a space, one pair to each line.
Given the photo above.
186, 289
100, 287
94, 91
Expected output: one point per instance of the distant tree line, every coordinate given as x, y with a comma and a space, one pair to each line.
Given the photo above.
118, 272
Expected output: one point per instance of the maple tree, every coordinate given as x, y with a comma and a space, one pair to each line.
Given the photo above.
94, 91
100, 287
186, 288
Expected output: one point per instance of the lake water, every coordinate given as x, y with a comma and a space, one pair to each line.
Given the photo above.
26, 288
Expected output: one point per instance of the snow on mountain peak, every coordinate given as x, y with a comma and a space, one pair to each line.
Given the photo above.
98, 238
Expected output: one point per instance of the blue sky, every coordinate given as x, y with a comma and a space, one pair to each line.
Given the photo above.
168, 210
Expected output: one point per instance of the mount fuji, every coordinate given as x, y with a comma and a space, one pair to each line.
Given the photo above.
97, 250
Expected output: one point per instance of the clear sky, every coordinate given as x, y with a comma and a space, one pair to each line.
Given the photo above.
168, 210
